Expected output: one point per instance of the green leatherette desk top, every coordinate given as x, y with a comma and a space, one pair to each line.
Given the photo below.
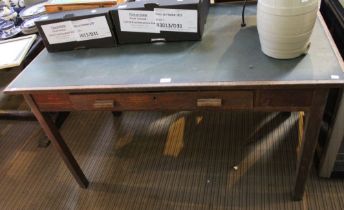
227, 56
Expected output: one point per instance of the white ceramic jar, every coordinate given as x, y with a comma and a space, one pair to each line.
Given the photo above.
285, 26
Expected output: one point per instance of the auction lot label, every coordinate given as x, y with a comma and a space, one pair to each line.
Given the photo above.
137, 21
179, 20
78, 30
176, 20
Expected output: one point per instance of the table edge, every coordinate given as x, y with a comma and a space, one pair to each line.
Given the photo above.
183, 86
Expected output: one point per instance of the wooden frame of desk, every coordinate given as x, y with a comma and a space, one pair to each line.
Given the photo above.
214, 74
311, 99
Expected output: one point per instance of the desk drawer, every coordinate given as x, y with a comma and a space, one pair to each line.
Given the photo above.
53, 102
284, 99
163, 101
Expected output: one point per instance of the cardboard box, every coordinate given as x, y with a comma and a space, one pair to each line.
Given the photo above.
79, 29
156, 20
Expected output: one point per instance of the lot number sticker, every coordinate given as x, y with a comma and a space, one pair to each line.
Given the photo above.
177, 20
137, 21
78, 30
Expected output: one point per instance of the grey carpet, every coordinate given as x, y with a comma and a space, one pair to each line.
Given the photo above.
161, 160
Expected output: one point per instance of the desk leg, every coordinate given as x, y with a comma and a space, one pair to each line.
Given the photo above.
16, 115
54, 135
59, 120
310, 140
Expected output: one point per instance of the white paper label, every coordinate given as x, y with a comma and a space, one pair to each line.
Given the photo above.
179, 20
78, 30
165, 80
137, 21
92, 28
122, 6
59, 32
333, 76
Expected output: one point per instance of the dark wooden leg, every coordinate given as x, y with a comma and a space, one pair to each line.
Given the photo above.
59, 120
16, 115
29, 116
54, 135
310, 140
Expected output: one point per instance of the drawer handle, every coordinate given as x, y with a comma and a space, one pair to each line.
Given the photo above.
209, 102
104, 104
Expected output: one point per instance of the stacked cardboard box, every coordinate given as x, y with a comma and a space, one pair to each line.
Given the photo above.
154, 20
132, 22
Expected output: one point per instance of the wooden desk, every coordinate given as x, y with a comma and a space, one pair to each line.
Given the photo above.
226, 71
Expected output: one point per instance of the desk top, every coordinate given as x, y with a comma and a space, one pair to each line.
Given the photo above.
227, 57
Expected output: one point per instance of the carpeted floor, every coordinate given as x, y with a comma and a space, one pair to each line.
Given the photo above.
161, 160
